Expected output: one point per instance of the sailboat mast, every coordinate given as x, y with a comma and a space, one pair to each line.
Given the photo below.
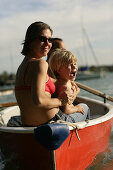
90, 45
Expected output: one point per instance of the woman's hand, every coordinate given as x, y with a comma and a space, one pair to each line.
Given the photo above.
66, 97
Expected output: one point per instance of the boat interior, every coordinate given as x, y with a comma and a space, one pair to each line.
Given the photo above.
97, 109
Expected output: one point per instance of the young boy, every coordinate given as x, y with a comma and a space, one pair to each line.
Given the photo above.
63, 64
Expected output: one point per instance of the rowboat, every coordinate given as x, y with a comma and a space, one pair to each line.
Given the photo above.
56, 146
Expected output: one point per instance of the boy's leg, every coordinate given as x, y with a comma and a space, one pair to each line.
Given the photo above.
76, 117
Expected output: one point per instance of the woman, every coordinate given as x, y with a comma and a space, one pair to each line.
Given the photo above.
33, 86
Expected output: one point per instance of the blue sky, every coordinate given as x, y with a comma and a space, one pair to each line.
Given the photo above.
67, 19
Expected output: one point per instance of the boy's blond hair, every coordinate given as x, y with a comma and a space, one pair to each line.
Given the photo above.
60, 57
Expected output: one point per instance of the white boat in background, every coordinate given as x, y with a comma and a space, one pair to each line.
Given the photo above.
7, 91
86, 75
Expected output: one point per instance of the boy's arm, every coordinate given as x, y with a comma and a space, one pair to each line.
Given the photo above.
70, 109
75, 89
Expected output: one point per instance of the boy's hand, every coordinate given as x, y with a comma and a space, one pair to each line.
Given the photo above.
80, 109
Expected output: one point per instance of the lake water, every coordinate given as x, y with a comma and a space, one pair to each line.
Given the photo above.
103, 161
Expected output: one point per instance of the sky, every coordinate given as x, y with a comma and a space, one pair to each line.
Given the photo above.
86, 26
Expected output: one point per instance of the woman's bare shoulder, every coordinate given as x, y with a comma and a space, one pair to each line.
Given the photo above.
39, 63
36, 61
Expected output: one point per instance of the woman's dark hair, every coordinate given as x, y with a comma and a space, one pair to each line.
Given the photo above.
32, 33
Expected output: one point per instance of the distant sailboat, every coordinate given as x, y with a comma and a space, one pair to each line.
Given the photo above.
83, 71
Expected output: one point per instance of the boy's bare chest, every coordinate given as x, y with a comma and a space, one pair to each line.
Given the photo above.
69, 86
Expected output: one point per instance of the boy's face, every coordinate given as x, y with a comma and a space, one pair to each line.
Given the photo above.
69, 71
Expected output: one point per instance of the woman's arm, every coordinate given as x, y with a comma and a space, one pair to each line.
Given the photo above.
69, 108
39, 96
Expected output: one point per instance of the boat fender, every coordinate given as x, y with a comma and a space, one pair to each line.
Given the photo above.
51, 136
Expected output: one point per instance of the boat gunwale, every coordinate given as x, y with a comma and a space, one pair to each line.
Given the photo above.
79, 125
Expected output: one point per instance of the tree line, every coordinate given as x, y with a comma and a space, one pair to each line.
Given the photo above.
7, 78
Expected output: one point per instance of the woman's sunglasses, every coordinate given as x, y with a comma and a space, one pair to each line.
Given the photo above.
44, 39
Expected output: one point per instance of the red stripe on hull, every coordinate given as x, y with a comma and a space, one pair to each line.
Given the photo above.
23, 151
77, 155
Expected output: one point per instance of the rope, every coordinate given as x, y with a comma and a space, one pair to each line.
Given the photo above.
69, 124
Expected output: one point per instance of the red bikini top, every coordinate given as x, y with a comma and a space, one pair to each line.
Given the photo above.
49, 87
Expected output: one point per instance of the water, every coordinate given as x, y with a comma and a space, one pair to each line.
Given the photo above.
104, 160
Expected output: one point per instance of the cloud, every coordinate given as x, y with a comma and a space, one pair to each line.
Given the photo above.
65, 18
